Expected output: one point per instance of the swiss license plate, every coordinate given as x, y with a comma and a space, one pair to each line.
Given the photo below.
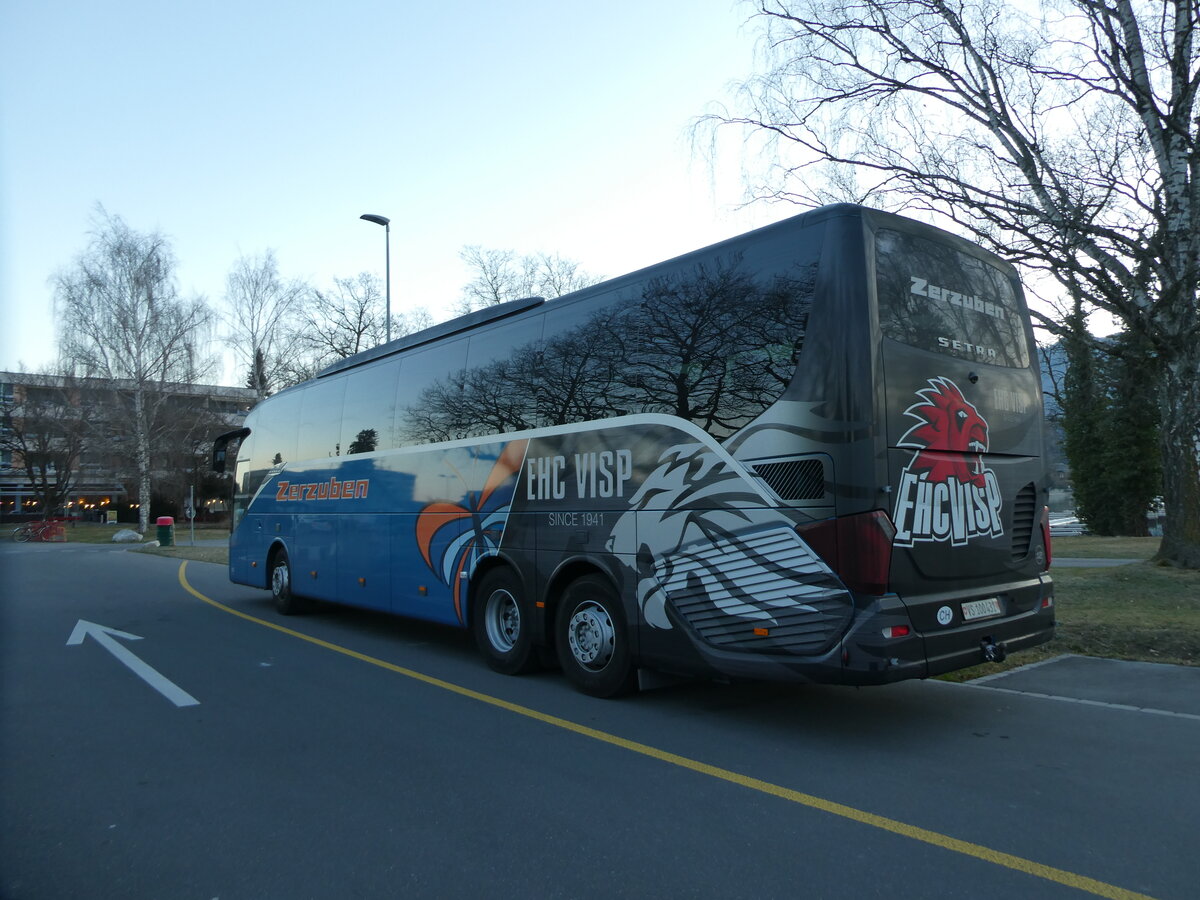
981, 609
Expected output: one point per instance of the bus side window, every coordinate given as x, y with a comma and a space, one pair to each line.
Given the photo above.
426, 397
368, 412
499, 388
321, 419
578, 361
274, 436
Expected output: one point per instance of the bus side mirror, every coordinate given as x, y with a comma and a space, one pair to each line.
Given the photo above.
220, 446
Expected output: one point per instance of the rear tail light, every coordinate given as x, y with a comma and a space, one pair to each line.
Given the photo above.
858, 548
1046, 538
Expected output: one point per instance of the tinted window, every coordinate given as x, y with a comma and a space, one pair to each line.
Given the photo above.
273, 428
321, 419
272, 441
369, 407
936, 297
498, 342
714, 342
429, 386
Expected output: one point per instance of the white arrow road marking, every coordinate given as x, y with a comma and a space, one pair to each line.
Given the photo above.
106, 638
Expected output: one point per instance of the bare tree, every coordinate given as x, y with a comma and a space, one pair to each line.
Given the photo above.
333, 324
260, 303
121, 318
43, 429
1063, 136
496, 278
555, 275
501, 275
349, 318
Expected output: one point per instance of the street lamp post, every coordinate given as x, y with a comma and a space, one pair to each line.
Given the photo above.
387, 251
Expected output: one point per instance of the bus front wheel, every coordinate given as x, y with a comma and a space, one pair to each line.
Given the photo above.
286, 602
593, 645
502, 624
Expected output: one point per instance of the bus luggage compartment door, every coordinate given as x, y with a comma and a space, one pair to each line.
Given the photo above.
968, 538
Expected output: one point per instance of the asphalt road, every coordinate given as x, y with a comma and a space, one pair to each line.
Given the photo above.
388, 761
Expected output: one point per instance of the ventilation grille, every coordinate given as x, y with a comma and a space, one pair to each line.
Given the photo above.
765, 592
1024, 514
795, 479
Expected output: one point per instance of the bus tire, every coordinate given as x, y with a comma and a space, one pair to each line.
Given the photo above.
502, 623
287, 603
593, 643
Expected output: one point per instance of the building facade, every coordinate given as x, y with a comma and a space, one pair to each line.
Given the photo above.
67, 447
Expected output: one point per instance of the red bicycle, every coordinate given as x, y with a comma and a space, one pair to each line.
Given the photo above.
35, 531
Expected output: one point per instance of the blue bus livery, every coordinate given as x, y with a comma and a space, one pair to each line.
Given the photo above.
813, 452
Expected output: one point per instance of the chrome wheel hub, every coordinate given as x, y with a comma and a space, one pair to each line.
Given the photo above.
591, 636
502, 620
279, 580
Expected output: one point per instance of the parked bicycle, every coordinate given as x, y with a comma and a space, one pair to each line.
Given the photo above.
35, 531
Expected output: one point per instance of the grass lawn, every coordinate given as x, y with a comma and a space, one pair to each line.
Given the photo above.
91, 533
1091, 547
218, 555
1139, 611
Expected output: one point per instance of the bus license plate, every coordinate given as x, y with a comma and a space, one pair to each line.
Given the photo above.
981, 609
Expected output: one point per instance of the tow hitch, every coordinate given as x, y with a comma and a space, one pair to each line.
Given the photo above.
993, 652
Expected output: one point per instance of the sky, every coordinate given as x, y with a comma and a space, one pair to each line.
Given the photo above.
235, 127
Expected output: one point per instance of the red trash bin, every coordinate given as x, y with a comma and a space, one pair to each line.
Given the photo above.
166, 531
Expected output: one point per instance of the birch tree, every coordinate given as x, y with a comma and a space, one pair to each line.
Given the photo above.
121, 318
1060, 133
259, 305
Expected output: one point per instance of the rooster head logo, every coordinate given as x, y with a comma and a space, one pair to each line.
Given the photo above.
950, 435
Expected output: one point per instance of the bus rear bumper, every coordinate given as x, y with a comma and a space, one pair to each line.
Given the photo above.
881, 647
861, 656
885, 647
993, 641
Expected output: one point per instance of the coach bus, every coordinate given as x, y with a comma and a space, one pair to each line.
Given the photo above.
812, 452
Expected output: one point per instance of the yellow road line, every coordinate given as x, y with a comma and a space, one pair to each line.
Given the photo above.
996, 857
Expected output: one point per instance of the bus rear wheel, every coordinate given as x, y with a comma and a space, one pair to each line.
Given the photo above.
286, 602
593, 645
502, 624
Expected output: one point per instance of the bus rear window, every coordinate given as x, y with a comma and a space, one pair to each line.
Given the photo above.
935, 297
